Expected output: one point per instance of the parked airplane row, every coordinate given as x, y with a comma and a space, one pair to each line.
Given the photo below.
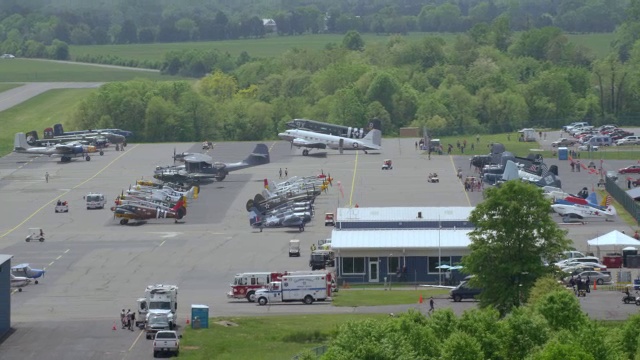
150, 200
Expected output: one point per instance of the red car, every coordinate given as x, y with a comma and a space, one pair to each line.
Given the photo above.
633, 169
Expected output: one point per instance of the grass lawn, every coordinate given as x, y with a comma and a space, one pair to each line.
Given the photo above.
5, 87
263, 337
30, 70
274, 46
382, 297
37, 113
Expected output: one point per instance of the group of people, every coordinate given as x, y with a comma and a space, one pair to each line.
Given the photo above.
575, 166
579, 284
286, 173
120, 147
472, 183
127, 319
61, 203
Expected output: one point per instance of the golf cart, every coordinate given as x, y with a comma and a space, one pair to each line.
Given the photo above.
35, 234
433, 178
387, 165
24, 270
62, 207
329, 219
294, 248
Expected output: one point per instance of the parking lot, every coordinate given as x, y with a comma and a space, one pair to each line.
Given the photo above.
96, 267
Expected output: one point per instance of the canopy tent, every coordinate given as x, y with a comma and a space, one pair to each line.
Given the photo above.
614, 239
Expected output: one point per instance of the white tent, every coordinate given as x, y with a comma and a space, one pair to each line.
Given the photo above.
634, 193
614, 239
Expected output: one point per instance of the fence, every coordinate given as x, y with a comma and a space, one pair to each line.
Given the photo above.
316, 351
623, 198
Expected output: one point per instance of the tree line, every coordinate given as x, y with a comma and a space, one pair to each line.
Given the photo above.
147, 21
486, 81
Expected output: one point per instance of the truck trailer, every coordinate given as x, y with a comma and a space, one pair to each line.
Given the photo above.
159, 300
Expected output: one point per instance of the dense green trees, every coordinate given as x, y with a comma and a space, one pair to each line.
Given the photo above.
146, 21
555, 328
509, 242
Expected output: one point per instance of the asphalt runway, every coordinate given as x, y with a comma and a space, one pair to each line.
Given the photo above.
95, 267
15, 96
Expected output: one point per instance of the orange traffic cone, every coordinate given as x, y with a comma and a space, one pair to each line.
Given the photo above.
114, 326
420, 301
595, 285
187, 321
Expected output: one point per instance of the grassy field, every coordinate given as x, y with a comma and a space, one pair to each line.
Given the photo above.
51, 107
5, 87
275, 46
264, 337
381, 297
29, 70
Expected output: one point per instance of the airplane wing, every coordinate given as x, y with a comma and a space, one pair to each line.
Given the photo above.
439, 286
308, 144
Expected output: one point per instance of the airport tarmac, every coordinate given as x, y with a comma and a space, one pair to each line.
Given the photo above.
96, 267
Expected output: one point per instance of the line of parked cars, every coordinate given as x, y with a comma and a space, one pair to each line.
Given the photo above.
591, 138
577, 265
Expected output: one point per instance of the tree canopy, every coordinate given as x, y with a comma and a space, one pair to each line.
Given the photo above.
514, 233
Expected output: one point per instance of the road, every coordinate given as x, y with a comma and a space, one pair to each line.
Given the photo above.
20, 94
96, 267
99, 65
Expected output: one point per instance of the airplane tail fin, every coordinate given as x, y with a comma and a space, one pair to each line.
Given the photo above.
374, 136
593, 199
259, 156
254, 218
182, 203
58, 130
20, 142
510, 171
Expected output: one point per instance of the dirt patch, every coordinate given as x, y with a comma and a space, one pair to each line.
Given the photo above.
226, 323
190, 347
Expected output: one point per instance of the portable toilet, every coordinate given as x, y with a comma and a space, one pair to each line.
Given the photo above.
563, 153
199, 316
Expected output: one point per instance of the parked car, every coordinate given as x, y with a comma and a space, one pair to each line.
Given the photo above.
632, 169
619, 134
464, 291
585, 259
595, 276
7, 56
570, 254
563, 142
596, 265
629, 140
612, 175
574, 125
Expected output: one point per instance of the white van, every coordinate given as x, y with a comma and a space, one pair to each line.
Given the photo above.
600, 141
95, 201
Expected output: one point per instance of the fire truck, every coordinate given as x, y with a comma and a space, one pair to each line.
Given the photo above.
245, 285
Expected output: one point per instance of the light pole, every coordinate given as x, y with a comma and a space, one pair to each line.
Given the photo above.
439, 254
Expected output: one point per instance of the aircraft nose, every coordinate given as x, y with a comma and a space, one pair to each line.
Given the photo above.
285, 136
91, 148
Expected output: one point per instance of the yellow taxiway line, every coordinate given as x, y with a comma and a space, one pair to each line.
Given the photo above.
66, 192
455, 170
353, 180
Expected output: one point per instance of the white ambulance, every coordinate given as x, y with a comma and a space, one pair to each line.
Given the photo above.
95, 201
305, 288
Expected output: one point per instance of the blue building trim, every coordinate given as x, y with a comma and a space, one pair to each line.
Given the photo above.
414, 270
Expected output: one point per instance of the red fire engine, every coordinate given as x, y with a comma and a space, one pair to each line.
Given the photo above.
245, 285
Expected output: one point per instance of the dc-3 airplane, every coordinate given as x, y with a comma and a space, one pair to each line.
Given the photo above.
65, 151
576, 211
95, 138
26, 271
19, 282
145, 210
200, 167
313, 140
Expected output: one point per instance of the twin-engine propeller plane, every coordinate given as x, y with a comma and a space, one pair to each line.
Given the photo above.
65, 151
200, 167
313, 140
145, 210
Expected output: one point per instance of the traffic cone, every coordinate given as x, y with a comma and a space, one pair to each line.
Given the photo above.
187, 321
114, 328
420, 301
595, 285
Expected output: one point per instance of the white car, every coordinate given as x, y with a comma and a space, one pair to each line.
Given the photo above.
589, 264
6, 56
587, 148
629, 140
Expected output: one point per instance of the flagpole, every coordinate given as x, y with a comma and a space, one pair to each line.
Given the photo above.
439, 253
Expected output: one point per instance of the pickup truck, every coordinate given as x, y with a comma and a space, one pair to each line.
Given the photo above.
166, 342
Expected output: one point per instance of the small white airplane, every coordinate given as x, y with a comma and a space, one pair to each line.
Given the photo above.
19, 282
577, 212
313, 140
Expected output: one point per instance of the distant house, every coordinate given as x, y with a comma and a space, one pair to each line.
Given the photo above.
269, 25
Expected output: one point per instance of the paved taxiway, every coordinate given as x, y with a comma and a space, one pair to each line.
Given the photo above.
96, 267
15, 96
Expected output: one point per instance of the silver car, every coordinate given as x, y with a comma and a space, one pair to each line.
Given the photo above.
595, 277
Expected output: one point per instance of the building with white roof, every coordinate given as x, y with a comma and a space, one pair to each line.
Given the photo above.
400, 243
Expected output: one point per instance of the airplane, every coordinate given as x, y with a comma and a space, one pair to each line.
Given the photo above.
19, 282
166, 193
24, 270
200, 167
313, 140
513, 171
259, 221
64, 151
333, 129
146, 210
58, 130
97, 137
578, 212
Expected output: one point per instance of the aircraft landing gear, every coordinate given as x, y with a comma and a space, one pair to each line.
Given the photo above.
101, 152
65, 159
365, 151
88, 158
220, 178
305, 152
124, 221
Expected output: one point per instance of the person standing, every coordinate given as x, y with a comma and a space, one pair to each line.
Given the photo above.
431, 305
578, 165
133, 320
280, 173
123, 317
286, 172
46, 176
128, 319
